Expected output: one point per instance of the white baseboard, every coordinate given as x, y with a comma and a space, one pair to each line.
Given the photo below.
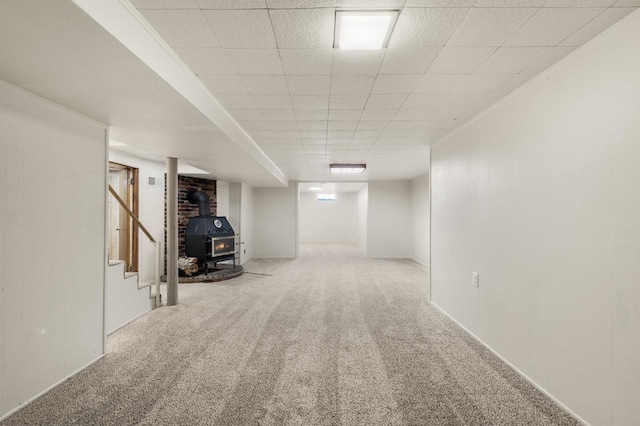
540, 388
33, 398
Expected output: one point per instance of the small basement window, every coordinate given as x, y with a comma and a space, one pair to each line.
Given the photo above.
326, 197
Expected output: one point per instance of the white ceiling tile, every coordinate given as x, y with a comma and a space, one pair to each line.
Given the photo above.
312, 125
438, 124
248, 28
306, 61
351, 84
461, 83
343, 125
303, 28
224, 84
511, 60
627, 3
579, 3
509, 3
311, 114
255, 61
395, 133
363, 141
408, 60
515, 82
265, 84
246, 114
299, 4
366, 134
372, 124
596, 26
356, 62
402, 125
550, 26
339, 141
206, 61
310, 101
489, 26
277, 114
272, 101
282, 134
378, 114
231, 4
340, 134
290, 143
426, 114
385, 101
165, 4
345, 114
254, 125
460, 60
439, 3
182, 28
316, 134
347, 101
308, 84
426, 27
283, 124
395, 84
236, 101
545, 61
448, 101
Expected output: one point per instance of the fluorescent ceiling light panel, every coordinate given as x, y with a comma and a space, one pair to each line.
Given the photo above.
363, 30
347, 168
315, 189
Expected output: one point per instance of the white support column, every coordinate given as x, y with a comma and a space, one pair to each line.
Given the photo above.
172, 231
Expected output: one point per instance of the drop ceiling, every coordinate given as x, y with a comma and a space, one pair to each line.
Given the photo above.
296, 101
271, 63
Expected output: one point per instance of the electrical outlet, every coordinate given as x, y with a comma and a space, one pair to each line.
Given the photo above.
476, 279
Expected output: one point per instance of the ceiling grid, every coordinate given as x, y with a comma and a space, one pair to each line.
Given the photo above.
271, 63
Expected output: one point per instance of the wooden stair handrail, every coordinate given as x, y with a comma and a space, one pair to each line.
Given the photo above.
133, 216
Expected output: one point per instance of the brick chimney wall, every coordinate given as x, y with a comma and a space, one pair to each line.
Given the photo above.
187, 210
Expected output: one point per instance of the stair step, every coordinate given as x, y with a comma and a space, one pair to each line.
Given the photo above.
130, 274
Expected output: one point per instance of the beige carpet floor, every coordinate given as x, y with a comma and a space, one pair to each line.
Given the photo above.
330, 338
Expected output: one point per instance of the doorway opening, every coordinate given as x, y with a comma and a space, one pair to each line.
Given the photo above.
333, 219
123, 231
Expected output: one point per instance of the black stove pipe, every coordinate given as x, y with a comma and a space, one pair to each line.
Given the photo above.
204, 206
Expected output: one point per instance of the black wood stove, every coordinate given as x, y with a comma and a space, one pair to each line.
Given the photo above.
209, 238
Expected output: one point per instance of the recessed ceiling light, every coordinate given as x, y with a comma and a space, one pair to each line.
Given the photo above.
315, 189
347, 168
363, 30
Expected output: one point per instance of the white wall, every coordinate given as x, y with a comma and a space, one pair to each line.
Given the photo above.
541, 196
328, 221
275, 222
246, 222
151, 203
390, 219
421, 219
363, 218
53, 251
222, 198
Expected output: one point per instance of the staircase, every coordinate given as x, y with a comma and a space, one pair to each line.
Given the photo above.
126, 298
